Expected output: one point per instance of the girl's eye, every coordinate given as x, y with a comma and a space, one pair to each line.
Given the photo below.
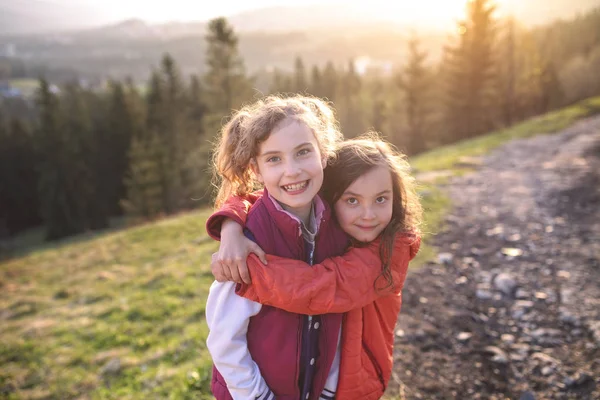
273, 159
380, 200
303, 152
352, 201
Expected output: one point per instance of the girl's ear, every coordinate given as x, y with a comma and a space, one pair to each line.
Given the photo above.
324, 162
255, 170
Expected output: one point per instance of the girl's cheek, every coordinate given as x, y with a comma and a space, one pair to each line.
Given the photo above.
348, 214
313, 160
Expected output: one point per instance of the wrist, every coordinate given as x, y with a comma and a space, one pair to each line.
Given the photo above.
229, 226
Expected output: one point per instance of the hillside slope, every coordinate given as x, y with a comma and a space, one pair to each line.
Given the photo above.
120, 315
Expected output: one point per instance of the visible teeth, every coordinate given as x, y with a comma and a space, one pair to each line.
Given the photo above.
296, 186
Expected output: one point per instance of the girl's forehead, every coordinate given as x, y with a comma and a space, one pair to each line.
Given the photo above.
374, 181
288, 135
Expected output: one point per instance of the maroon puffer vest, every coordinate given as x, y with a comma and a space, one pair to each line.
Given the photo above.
274, 335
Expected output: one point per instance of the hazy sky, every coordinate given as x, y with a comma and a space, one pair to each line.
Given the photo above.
182, 10
160, 11
428, 12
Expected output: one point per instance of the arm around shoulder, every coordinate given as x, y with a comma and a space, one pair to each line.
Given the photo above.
235, 208
338, 284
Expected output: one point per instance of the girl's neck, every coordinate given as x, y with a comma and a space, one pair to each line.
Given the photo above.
303, 213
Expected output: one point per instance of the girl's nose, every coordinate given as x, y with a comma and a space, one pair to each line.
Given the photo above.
292, 168
368, 213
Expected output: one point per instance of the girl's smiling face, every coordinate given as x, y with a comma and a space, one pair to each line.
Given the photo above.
365, 208
290, 166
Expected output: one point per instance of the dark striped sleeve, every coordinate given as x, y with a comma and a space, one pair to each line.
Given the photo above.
327, 395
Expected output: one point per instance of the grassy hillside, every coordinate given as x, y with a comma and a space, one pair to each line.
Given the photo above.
120, 315
115, 316
450, 156
27, 86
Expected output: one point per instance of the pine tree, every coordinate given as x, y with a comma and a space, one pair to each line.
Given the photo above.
469, 73
196, 105
349, 103
100, 160
169, 128
58, 207
155, 99
508, 73
551, 90
378, 115
173, 135
122, 126
143, 179
528, 84
226, 83
281, 83
145, 192
415, 84
5, 179
300, 81
19, 203
81, 150
351, 83
329, 82
316, 83
196, 167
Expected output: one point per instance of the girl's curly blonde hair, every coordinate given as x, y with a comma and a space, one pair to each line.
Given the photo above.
241, 137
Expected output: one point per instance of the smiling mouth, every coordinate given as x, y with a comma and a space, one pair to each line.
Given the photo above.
367, 228
294, 187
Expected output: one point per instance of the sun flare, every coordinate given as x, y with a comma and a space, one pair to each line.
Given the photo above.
423, 12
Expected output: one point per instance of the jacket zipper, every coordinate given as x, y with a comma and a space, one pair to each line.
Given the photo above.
375, 364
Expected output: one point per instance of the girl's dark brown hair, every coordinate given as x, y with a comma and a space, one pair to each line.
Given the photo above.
356, 157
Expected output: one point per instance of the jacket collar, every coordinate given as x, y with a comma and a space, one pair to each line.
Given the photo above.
288, 222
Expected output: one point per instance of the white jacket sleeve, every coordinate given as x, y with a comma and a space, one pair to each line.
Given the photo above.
228, 316
334, 372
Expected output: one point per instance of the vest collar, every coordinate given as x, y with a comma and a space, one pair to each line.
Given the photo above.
286, 220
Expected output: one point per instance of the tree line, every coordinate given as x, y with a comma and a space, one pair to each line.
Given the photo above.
77, 157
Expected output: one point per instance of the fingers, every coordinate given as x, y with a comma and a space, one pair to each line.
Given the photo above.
243, 271
226, 271
233, 269
228, 274
231, 259
259, 252
217, 270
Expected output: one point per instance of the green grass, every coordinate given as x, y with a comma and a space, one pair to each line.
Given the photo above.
447, 157
137, 296
26, 85
435, 206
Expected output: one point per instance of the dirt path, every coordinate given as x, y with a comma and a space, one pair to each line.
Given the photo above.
512, 308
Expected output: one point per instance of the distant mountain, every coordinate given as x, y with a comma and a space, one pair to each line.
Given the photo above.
272, 19
138, 29
267, 20
37, 16
281, 18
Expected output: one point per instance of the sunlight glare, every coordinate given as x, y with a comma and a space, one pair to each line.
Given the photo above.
430, 13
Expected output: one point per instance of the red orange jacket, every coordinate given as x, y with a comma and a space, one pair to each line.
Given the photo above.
339, 284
